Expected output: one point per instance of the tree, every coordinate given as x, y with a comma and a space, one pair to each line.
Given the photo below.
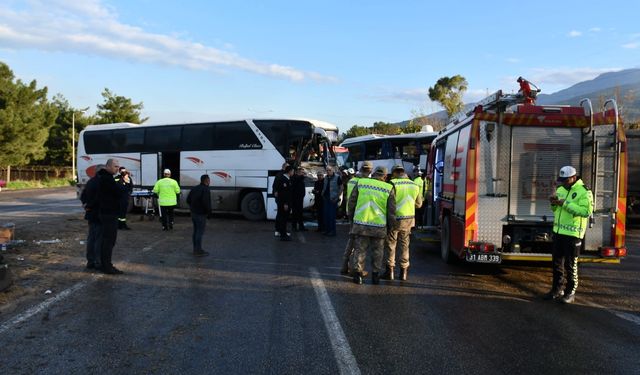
25, 119
385, 128
356, 131
59, 142
117, 108
448, 92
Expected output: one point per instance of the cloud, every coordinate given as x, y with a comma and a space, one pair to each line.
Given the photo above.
632, 45
574, 33
513, 60
595, 29
89, 27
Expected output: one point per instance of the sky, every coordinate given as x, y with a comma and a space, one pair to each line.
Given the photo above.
345, 62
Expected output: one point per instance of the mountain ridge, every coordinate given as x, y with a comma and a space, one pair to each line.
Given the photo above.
602, 87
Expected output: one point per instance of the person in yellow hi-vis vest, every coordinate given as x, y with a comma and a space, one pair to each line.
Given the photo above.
408, 198
365, 172
372, 207
572, 205
167, 190
419, 180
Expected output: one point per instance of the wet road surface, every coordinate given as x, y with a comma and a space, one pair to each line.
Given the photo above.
256, 305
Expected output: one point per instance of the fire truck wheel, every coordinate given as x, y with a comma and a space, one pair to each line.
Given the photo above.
445, 242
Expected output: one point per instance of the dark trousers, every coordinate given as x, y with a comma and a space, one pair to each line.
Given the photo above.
94, 242
166, 213
296, 212
565, 263
330, 211
124, 207
320, 214
281, 219
199, 223
109, 234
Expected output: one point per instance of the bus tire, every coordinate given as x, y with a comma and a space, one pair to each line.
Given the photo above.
445, 241
252, 206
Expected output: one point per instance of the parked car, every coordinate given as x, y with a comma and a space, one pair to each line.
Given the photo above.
3, 183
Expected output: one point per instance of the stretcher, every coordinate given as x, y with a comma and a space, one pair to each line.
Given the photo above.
147, 200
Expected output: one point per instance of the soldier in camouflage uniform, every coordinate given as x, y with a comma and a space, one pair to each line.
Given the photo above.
365, 171
372, 205
408, 198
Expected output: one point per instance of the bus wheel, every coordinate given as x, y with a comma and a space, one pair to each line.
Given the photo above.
252, 206
445, 241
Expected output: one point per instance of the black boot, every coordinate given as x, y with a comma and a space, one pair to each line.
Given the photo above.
553, 295
357, 278
388, 274
403, 273
345, 267
375, 278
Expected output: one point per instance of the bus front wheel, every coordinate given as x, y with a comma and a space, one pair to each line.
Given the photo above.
252, 206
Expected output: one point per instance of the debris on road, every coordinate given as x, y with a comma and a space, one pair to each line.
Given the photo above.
39, 242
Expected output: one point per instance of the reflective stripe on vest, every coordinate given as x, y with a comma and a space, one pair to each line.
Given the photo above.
565, 222
371, 208
406, 194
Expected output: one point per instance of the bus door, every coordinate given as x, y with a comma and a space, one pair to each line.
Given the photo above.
148, 169
171, 160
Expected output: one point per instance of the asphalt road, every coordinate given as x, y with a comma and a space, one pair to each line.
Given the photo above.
258, 305
27, 207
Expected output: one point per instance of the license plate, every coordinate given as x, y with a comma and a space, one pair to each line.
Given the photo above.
483, 258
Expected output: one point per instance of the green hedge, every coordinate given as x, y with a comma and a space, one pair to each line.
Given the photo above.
54, 182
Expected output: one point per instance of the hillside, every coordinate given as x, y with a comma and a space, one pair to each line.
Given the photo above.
597, 90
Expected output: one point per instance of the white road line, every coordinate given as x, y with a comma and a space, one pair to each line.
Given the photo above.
62, 295
341, 350
45, 304
626, 316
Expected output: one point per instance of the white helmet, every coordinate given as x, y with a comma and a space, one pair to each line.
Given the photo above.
566, 172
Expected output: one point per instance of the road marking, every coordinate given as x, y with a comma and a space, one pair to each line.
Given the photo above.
341, 350
626, 316
45, 304
62, 295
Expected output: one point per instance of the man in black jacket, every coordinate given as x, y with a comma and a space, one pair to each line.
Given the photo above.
299, 190
199, 200
283, 191
89, 199
109, 197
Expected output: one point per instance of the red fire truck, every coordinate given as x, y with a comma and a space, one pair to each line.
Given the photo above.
493, 169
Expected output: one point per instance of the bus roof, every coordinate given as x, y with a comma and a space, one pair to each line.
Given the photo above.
371, 137
123, 125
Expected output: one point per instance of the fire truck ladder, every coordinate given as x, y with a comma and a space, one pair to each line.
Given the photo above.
606, 152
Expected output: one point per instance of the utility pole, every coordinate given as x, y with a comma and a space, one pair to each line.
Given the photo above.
73, 141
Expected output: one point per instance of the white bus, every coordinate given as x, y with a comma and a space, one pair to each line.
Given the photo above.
389, 150
241, 157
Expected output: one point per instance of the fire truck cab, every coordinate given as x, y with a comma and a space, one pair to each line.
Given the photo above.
493, 169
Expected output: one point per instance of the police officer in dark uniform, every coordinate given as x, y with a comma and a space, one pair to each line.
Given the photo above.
283, 191
124, 179
299, 190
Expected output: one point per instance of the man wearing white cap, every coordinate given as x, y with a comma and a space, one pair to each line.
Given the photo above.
167, 189
572, 205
